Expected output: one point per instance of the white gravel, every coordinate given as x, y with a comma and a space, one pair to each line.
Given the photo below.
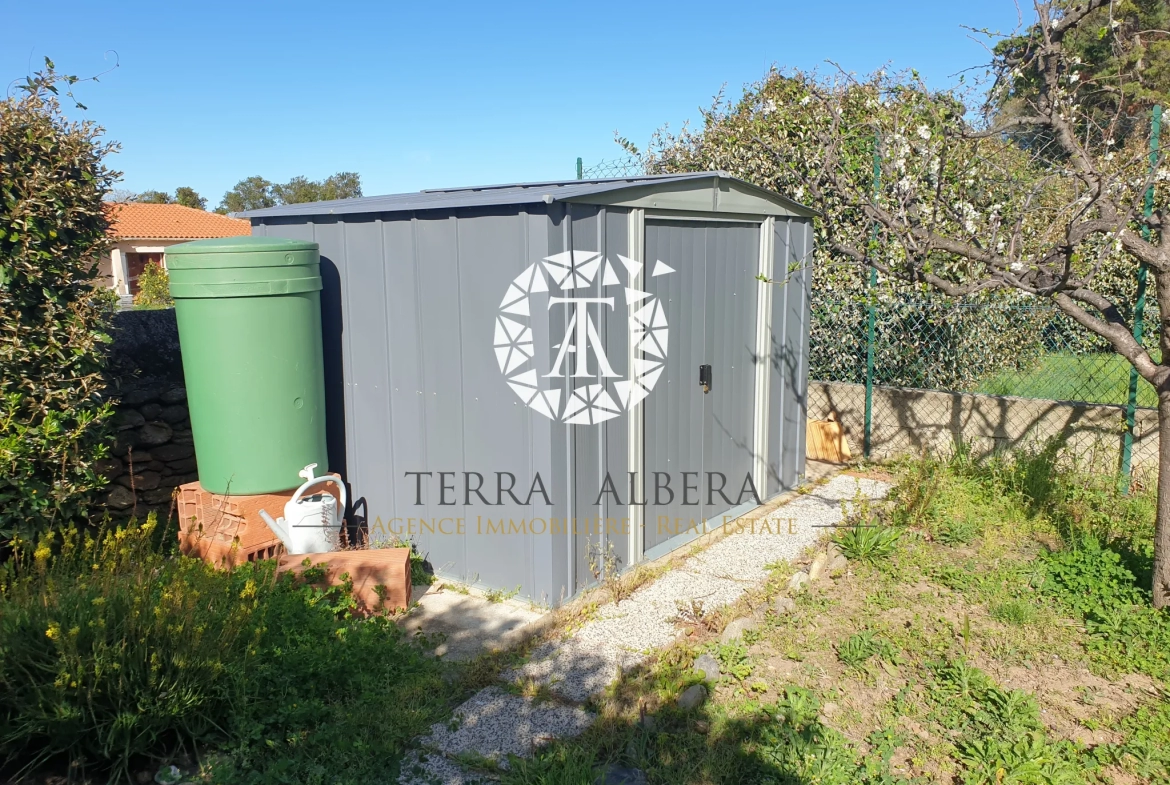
494, 723
624, 634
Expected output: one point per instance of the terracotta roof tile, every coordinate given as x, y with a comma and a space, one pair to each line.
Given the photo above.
136, 221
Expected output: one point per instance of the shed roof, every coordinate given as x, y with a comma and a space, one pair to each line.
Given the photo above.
147, 221
697, 191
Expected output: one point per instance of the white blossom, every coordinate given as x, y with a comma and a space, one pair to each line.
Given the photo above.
924, 131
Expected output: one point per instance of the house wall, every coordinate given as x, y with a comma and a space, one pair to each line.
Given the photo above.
112, 268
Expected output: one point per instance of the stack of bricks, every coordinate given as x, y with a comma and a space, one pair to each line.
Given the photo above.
227, 530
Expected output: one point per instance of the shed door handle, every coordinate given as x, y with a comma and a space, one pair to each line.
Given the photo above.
705, 378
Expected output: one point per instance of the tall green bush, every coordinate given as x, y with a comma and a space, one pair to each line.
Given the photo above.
53, 328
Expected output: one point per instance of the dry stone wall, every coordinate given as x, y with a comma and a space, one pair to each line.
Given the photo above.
153, 452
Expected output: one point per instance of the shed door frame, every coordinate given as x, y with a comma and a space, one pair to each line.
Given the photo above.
636, 250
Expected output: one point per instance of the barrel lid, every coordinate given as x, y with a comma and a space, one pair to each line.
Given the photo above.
244, 244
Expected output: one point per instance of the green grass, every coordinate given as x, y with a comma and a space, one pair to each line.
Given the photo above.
892, 673
1093, 378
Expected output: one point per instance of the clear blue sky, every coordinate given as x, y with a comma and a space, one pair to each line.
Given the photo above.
422, 94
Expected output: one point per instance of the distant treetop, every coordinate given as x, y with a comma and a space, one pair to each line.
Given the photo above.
255, 193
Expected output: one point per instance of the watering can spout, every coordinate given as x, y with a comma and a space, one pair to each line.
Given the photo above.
279, 528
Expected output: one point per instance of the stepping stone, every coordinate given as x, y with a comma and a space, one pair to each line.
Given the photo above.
783, 606
708, 666
737, 628
574, 670
469, 624
495, 724
691, 697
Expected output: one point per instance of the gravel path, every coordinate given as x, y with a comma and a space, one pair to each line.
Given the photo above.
493, 722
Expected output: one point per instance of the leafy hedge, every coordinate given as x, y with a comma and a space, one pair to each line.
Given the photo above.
53, 334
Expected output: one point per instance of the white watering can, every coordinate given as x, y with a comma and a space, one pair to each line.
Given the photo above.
311, 524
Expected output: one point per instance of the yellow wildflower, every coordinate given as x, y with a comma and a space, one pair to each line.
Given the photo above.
249, 590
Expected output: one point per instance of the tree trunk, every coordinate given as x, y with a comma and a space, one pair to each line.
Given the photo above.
1161, 583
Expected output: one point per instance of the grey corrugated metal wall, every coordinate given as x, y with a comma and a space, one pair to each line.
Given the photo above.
422, 391
413, 383
788, 390
711, 301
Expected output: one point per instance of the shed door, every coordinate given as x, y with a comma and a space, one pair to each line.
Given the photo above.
710, 302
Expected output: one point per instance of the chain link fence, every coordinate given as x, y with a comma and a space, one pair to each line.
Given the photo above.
913, 375
629, 166
906, 376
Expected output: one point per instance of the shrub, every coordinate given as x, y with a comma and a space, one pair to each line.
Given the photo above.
154, 287
111, 652
53, 334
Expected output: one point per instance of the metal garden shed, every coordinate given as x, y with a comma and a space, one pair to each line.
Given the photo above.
530, 381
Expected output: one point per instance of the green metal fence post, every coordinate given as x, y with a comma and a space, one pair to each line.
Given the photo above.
1139, 310
871, 310
580, 169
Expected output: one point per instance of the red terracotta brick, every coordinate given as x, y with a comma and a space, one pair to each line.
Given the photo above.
228, 530
368, 569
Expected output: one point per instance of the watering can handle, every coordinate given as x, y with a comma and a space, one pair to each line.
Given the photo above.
333, 478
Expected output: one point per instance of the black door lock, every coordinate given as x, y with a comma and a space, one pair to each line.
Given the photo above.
705, 378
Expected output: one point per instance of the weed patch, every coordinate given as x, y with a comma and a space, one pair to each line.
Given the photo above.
868, 542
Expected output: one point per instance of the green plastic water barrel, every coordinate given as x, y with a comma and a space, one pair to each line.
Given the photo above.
249, 314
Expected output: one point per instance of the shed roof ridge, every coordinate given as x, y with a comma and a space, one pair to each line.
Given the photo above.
517, 193
586, 181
